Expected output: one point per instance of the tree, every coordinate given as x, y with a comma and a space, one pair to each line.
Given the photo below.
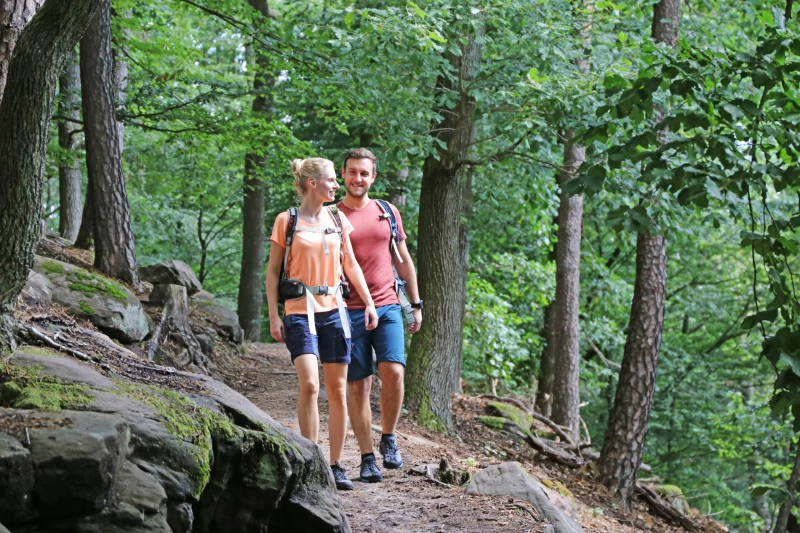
113, 234
69, 170
40, 54
14, 16
251, 278
436, 349
621, 455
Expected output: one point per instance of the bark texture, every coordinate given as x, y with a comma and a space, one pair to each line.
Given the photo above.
436, 349
566, 327
251, 277
114, 247
621, 455
39, 57
85, 238
69, 171
627, 426
544, 392
14, 15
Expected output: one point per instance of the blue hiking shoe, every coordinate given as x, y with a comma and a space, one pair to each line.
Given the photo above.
339, 475
369, 470
391, 453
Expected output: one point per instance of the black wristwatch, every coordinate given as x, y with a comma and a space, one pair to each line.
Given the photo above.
419, 305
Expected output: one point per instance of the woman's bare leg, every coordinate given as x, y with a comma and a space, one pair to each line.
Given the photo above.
336, 389
307, 411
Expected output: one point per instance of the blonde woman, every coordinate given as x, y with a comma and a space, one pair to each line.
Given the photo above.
309, 256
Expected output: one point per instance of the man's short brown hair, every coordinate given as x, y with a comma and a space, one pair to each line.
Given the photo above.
361, 153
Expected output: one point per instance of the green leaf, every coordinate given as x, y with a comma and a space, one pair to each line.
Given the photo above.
761, 78
436, 37
415, 7
622, 37
767, 315
348, 19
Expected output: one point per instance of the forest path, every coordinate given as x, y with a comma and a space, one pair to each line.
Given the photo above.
402, 502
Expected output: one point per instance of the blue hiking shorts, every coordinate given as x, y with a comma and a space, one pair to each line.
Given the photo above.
329, 344
387, 339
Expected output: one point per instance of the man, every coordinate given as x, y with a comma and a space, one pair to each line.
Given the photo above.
376, 252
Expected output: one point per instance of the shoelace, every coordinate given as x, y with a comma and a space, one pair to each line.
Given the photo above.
390, 445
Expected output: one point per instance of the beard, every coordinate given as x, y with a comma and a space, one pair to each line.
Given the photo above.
357, 193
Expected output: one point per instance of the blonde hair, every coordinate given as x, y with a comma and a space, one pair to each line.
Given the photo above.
306, 169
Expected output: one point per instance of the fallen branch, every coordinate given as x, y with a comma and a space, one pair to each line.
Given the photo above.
38, 335
152, 346
662, 508
559, 456
555, 427
529, 511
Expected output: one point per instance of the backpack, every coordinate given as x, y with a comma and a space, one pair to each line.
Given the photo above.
399, 284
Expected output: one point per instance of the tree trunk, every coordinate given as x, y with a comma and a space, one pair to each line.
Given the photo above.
463, 237
120, 88
85, 238
566, 326
791, 486
436, 349
114, 247
544, 393
251, 278
14, 16
69, 171
30, 88
627, 426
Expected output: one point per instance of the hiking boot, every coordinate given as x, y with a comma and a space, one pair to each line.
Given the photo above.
391, 453
369, 470
342, 481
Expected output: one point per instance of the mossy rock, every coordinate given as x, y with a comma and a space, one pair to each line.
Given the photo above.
512, 413
493, 422
106, 303
24, 387
674, 495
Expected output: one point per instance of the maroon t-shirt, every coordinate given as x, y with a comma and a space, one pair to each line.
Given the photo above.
370, 239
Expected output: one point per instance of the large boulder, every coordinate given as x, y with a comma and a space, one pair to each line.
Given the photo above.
105, 303
225, 319
37, 290
117, 456
172, 273
510, 479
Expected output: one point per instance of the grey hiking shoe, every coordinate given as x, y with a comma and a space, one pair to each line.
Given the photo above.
369, 470
391, 453
342, 481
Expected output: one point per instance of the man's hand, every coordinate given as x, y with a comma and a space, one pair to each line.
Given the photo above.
276, 330
370, 317
414, 326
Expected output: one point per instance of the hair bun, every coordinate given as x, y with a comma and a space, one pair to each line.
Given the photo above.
297, 167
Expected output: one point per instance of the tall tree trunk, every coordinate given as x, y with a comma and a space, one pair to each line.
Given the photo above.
114, 247
251, 279
69, 171
120, 87
436, 349
85, 238
14, 16
466, 222
566, 326
622, 450
544, 391
791, 486
30, 88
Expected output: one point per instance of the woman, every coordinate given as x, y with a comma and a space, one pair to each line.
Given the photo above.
316, 324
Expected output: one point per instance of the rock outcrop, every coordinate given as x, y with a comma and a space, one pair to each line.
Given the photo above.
172, 273
87, 452
107, 304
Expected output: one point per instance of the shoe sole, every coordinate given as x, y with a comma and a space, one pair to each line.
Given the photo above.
347, 487
370, 480
390, 466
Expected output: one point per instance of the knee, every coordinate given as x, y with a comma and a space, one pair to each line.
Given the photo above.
359, 390
392, 374
309, 388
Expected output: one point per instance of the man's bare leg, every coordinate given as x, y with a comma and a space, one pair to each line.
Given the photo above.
392, 375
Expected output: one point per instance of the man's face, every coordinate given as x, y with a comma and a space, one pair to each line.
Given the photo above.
358, 176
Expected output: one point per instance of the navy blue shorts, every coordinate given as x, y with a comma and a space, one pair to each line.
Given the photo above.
329, 344
387, 339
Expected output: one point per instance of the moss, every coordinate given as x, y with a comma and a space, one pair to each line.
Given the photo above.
86, 308
23, 387
53, 267
38, 350
514, 414
270, 439
547, 483
427, 417
564, 491
669, 490
494, 422
187, 421
90, 284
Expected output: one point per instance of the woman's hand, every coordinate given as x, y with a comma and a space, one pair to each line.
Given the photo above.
371, 317
276, 330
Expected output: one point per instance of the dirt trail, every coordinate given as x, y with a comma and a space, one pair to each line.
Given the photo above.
403, 502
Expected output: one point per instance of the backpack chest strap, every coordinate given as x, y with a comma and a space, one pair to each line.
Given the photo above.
336, 290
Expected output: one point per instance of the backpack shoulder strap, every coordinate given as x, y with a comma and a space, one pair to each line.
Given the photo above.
334, 211
388, 214
291, 229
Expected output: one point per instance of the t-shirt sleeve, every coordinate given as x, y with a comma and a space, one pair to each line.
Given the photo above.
347, 226
400, 231
279, 230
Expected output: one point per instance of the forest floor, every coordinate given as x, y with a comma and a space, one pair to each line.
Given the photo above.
408, 502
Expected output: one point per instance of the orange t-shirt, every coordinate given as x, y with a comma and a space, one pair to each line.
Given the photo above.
307, 259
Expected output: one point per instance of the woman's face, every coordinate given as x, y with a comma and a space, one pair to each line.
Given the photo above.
326, 186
